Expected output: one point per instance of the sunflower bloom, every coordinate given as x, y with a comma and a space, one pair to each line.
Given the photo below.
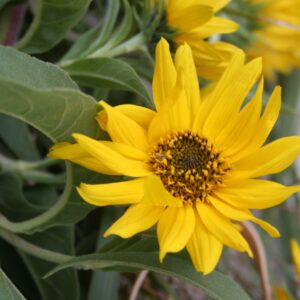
193, 160
295, 249
278, 40
194, 22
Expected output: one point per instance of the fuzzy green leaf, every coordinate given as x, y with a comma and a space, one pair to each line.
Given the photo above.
52, 20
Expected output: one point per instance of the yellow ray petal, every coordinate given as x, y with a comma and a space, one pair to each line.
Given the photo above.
222, 228
240, 214
255, 193
141, 115
295, 249
123, 129
220, 90
78, 155
126, 150
174, 117
215, 25
184, 60
205, 250
137, 218
174, 229
117, 193
270, 159
156, 194
164, 74
111, 158
189, 17
243, 126
229, 100
263, 127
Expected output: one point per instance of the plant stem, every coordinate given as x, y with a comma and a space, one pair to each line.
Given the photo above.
17, 14
34, 250
133, 44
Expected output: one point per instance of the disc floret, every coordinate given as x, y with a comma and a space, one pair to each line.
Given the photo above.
189, 166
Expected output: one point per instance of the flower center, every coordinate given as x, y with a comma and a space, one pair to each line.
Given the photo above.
188, 165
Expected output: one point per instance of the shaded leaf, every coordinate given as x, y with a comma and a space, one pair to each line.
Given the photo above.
17, 137
7, 290
216, 285
108, 73
49, 101
52, 20
64, 286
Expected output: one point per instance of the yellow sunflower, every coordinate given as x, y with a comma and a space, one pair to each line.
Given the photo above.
295, 249
192, 160
278, 40
194, 22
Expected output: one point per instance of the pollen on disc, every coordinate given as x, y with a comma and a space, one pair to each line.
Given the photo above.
188, 165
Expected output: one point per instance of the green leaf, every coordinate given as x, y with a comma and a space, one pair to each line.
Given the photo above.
52, 20
64, 286
109, 73
31, 72
13, 203
7, 290
216, 285
44, 96
17, 137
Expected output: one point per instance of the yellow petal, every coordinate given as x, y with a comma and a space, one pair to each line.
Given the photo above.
123, 129
141, 115
243, 126
137, 218
240, 214
78, 155
270, 159
111, 158
295, 249
117, 193
205, 250
220, 90
164, 74
255, 193
157, 195
222, 228
215, 25
126, 150
173, 118
174, 229
263, 126
184, 60
227, 102
189, 17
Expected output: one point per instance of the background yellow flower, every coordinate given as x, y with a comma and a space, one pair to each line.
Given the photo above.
195, 22
278, 39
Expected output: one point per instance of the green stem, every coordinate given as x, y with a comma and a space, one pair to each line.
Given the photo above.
133, 44
34, 250
34, 223
19, 165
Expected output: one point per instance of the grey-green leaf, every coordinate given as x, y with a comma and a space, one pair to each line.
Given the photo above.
7, 289
52, 20
31, 72
51, 102
108, 73
216, 285
65, 286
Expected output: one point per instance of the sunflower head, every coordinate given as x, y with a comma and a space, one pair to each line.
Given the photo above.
192, 161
